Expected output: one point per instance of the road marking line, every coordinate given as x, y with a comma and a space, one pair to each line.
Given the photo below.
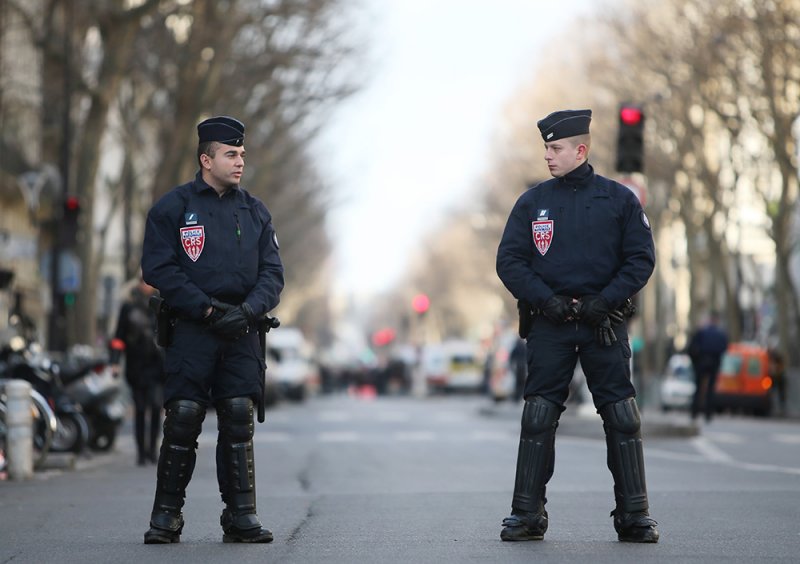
414, 436
330, 416
729, 438
338, 437
787, 439
393, 416
710, 451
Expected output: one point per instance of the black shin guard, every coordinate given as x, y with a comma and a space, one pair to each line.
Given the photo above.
236, 472
182, 426
622, 425
536, 454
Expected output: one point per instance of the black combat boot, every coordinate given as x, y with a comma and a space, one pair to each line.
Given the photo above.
236, 473
182, 426
528, 520
622, 424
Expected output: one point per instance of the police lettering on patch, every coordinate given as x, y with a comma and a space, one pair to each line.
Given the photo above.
645, 221
193, 239
542, 235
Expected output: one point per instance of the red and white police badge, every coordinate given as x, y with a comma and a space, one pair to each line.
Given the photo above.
193, 238
542, 235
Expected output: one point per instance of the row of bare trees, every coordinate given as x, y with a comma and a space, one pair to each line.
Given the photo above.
720, 86
134, 77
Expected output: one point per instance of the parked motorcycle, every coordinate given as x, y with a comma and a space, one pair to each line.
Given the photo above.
25, 360
90, 383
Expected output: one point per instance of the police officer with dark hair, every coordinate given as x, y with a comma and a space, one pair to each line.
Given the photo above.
211, 251
574, 249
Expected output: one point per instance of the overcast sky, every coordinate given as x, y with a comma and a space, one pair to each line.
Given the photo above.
416, 139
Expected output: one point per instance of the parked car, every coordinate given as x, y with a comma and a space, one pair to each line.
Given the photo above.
453, 365
677, 385
289, 365
743, 381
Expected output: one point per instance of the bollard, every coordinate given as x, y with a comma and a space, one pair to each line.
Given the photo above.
19, 423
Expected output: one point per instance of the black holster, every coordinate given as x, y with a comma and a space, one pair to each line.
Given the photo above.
164, 321
525, 318
264, 325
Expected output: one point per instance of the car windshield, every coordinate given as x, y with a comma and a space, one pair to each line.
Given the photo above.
683, 373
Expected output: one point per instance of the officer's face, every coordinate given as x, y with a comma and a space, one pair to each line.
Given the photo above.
224, 169
563, 156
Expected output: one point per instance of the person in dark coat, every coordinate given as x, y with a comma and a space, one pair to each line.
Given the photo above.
575, 249
706, 348
144, 368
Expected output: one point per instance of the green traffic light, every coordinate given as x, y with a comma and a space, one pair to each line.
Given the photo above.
69, 299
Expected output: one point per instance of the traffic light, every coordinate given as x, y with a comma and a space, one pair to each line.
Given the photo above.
421, 303
69, 223
630, 141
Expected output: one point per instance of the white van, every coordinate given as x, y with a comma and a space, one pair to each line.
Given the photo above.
453, 365
289, 363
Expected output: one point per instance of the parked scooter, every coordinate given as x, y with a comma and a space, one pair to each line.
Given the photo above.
27, 361
90, 383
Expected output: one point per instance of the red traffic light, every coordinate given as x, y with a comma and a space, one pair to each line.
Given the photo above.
421, 303
630, 116
72, 204
383, 337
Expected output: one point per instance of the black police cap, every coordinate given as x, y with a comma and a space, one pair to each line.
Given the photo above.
565, 123
222, 129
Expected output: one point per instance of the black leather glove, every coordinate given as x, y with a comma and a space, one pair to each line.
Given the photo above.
235, 322
218, 309
616, 317
594, 309
559, 309
605, 334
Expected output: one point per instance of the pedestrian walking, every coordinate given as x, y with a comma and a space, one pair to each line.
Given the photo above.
211, 250
135, 337
706, 348
575, 249
776, 368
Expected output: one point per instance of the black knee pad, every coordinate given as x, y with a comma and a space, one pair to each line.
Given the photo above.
539, 416
235, 419
183, 422
622, 416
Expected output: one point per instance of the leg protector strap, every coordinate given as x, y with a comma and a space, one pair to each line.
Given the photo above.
622, 425
536, 454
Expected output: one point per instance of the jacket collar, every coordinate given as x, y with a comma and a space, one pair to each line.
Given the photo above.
583, 175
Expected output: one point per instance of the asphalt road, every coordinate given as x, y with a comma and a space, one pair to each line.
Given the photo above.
343, 479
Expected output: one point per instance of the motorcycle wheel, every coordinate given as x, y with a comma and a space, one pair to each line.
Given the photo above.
72, 433
103, 438
44, 428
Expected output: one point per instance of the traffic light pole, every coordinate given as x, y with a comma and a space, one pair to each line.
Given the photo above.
57, 330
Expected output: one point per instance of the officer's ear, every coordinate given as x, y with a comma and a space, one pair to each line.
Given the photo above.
583, 151
205, 161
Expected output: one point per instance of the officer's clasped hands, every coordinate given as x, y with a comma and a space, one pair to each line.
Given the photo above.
559, 309
229, 321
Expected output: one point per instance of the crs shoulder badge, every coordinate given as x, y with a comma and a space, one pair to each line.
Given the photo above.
542, 235
193, 239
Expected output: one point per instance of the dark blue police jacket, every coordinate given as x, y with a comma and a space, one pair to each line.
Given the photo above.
199, 246
576, 235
